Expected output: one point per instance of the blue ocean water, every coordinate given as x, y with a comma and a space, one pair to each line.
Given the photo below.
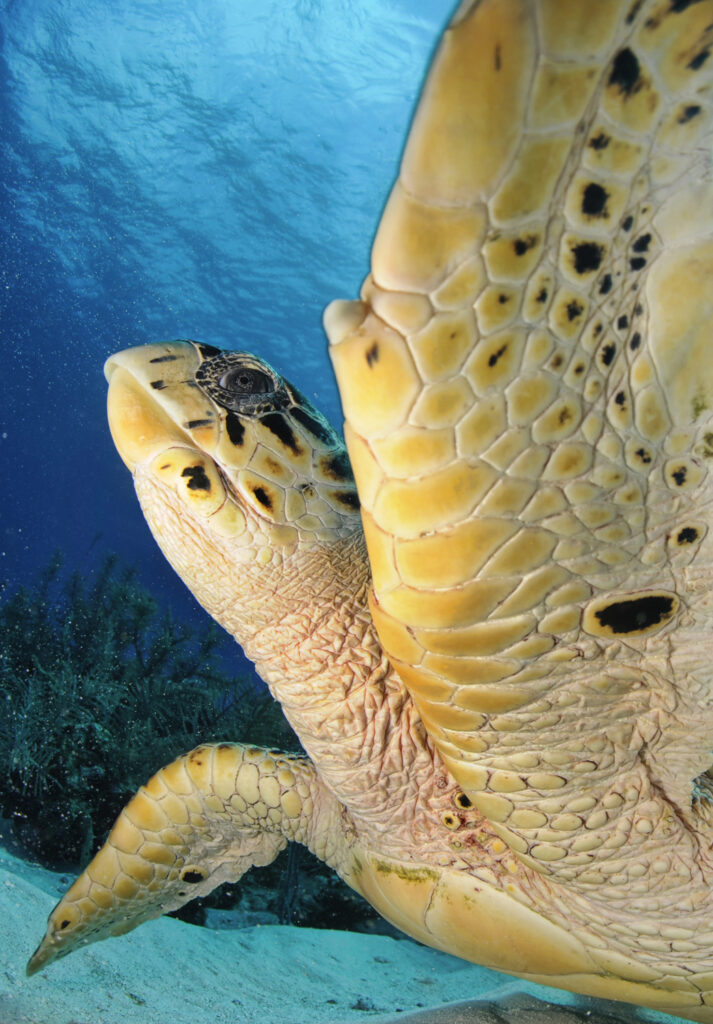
211, 169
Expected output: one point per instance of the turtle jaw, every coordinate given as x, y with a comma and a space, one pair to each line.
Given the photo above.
150, 428
142, 424
139, 428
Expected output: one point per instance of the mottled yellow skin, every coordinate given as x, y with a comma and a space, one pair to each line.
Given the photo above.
507, 704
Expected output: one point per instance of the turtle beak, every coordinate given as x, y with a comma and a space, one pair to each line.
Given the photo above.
142, 419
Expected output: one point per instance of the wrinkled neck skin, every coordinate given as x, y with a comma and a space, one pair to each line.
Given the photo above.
304, 621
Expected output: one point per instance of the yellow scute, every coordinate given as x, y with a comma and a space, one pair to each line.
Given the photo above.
396, 639
681, 311
575, 30
452, 556
472, 106
408, 508
413, 450
418, 246
459, 606
479, 640
462, 915
377, 379
561, 93
380, 546
531, 180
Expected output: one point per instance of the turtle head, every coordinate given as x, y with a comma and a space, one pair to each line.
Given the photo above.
223, 450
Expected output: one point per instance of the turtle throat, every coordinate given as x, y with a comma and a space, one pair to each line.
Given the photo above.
303, 618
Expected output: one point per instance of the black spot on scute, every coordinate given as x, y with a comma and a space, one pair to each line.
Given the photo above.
523, 245
640, 613
541, 295
679, 476
699, 60
209, 351
336, 466
594, 200
372, 354
605, 285
197, 478
627, 223
608, 353
158, 385
503, 298
587, 257
263, 497
574, 309
641, 244
625, 72
620, 398
279, 426
349, 499
637, 263
600, 141
163, 359
688, 113
622, 322
633, 11
235, 428
643, 455
194, 424
688, 535
635, 341
496, 355
318, 429
681, 5
192, 876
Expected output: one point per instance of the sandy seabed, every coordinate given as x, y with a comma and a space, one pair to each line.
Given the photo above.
168, 972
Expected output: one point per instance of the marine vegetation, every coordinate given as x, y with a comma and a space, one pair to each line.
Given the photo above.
97, 690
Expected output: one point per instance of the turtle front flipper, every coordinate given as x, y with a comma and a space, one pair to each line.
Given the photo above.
528, 418
205, 819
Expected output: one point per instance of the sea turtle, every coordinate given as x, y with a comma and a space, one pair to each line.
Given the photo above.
507, 705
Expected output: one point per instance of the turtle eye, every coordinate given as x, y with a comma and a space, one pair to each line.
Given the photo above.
246, 380
241, 383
